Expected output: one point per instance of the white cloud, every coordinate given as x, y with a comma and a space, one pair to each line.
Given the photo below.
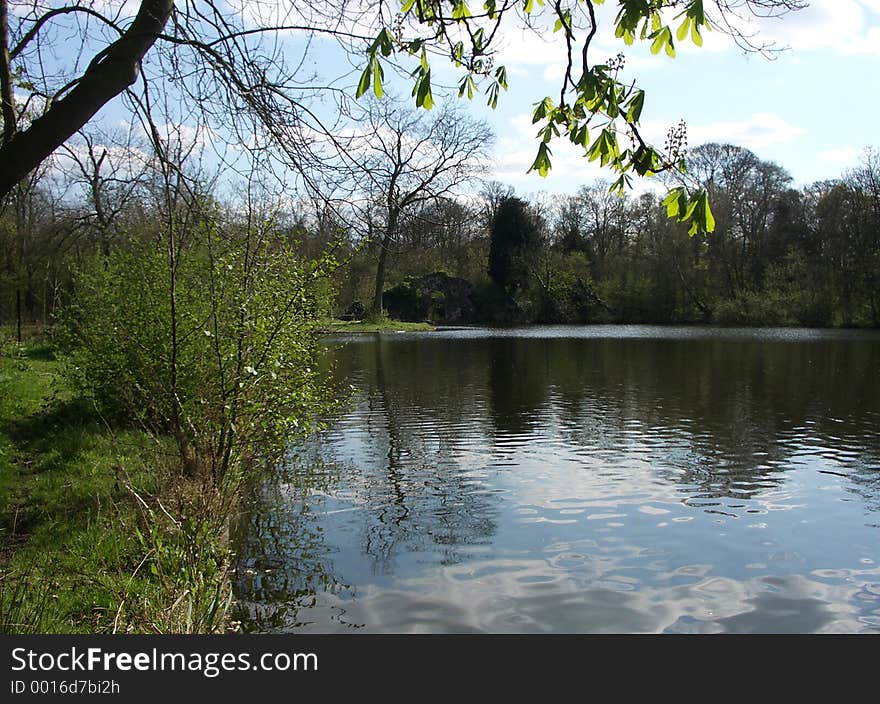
845, 156
760, 131
844, 26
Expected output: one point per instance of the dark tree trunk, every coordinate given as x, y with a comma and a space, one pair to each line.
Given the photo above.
108, 75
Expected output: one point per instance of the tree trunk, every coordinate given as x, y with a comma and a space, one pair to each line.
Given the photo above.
108, 75
390, 229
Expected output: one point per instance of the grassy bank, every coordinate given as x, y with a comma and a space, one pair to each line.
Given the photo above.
334, 325
92, 534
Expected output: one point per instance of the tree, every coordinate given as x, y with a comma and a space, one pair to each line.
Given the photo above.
745, 191
516, 237
411, 158
109, 73
230, 61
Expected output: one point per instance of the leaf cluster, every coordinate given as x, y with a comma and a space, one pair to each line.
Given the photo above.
595, 110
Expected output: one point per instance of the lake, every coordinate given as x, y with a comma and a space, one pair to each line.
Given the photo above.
623, 479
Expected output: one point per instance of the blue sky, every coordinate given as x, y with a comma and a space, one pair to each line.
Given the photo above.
813, 109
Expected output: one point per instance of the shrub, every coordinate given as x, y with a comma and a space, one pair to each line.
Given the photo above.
207, 338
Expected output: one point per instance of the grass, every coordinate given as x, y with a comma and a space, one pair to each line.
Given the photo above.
334, 325
90, 539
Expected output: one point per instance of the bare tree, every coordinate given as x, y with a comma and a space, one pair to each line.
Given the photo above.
111, 170
409, 158
70, 107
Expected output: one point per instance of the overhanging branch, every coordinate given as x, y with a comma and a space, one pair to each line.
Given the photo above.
108, 75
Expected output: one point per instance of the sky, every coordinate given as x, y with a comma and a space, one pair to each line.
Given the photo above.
811, 108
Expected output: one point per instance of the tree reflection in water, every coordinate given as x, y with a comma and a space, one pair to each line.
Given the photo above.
599, 466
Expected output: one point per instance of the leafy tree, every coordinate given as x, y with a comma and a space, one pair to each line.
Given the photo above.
515, 239
212, 346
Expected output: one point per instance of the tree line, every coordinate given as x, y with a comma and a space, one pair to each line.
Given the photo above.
779, 255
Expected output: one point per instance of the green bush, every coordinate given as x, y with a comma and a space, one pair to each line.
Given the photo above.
209, 341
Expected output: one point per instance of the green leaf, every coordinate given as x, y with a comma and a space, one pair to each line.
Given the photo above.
612, 107
634, 107
605, 148
621, 184
674, 200
460, 11
493, 96
696, 12
457, 52
378, 75
542, 160
657, 44
663, 39
622, 32
364, 84
563, 21
424, 99
541, 110
383, 43
683, 29
467, 84
548, 132
708, 217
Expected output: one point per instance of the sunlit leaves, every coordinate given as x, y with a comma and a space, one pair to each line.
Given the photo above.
460, 11
499, 84
383, 43
663, 39
646, 161
364, 84
373, 73
542, 109
422, 89
468, 85
596, 111
694, 210
605, 148
542, 160
694, 19
564, 20
675, 201
378, 76
621, 185
634, 106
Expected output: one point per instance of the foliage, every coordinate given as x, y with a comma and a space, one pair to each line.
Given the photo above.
404, 302
515, 238
213, 346
595, 109
93, 536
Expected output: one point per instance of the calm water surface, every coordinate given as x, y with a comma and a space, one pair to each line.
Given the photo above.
581, 479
